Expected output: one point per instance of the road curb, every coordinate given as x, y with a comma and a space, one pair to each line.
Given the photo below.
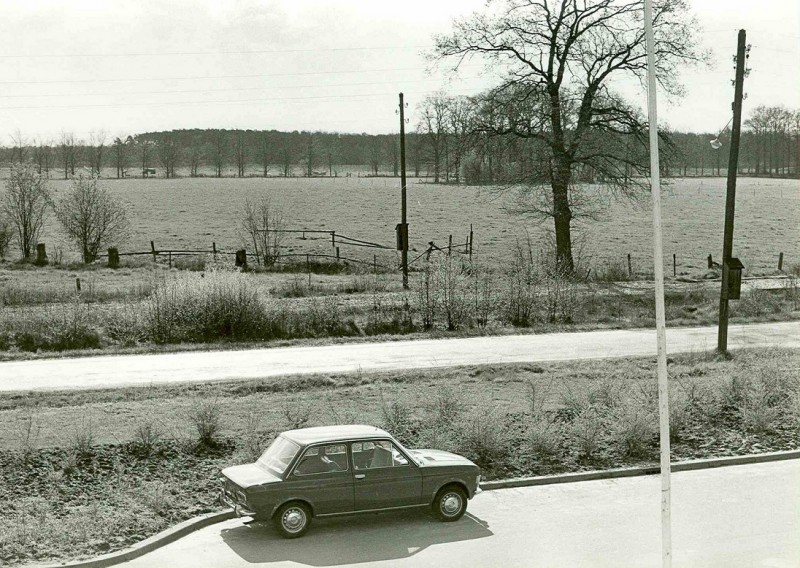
148, 545
637, 471
178, 531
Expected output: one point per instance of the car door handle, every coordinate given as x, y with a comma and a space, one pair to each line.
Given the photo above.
360, 476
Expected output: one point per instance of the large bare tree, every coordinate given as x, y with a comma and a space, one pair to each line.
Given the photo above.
91, 217
25, 203
559, 57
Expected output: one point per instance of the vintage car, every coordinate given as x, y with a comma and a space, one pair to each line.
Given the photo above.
341, 470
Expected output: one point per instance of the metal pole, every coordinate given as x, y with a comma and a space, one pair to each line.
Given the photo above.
403, 220
730, 200
661, 333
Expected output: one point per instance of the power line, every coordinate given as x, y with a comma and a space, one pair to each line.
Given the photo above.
229, 101
191, 78
181, 53
242, 89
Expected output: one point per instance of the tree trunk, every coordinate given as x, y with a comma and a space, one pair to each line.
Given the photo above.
562, 216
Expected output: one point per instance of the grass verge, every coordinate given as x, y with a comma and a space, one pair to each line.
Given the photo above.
118, 465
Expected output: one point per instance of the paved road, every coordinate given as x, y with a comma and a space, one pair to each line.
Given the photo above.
743, 516
121, 370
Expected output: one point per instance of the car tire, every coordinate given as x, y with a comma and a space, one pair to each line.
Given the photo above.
450, 503
293, 519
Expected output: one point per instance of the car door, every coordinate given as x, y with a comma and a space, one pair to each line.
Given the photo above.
322, 477
383, 476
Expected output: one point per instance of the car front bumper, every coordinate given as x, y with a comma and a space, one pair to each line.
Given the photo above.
238, 509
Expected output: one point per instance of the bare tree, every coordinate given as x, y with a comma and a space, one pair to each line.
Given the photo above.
42, 156
262, 225
119, 156
19, 151
90, 217
97, 141
287, 155
263, 150
67, 153
168, 154
6, 233
25, 203
240, 152
219, 151
432, 126
560, 56
310, 157
374, 155
195, 153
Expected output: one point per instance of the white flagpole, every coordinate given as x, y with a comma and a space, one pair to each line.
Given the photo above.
661, 334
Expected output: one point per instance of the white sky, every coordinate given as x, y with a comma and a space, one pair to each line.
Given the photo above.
128, 66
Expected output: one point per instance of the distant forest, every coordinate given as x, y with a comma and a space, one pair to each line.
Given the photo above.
441, 146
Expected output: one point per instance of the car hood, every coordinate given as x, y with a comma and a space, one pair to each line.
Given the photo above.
248, 475
434, 458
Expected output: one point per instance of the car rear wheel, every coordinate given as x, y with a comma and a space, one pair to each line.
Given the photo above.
450, 503
293, 519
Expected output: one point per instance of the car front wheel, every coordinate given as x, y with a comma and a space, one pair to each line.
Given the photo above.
293, 519
450, 503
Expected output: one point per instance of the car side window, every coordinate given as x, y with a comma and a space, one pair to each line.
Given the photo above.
377, 454
322, 459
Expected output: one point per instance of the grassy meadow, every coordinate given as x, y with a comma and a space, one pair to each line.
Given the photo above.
192, 213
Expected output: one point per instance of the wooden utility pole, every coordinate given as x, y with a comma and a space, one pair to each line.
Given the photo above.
658, 262
403, 220
730, 201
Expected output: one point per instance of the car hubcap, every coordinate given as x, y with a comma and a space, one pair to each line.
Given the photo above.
451, 503
294, 520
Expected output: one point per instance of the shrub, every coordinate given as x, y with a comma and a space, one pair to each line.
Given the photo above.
611, 272
296, 412
397, 418
485, 437
520, 300
82, 440
586, 432
756, 303
633, 429
218, 305
543, 438
146, 436
52, 328
206, 418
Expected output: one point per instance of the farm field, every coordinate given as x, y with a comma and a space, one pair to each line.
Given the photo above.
191, 213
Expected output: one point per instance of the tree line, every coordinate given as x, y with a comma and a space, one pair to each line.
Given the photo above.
449, 144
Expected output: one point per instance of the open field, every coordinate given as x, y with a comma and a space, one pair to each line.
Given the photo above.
86, 472
191, 213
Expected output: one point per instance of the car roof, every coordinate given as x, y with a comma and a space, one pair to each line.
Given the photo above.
306, 436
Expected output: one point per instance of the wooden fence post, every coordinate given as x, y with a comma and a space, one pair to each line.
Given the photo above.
630, 266
41, 255
470, 242
780, 262
450, 246
214, 250
241, 259
153, 250
674, 264
113, 258
337, 254
78, 285
710, 262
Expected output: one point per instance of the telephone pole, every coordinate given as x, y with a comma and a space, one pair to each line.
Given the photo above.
403, 220
730, 200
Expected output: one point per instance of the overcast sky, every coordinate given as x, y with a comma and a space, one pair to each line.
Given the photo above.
133, 66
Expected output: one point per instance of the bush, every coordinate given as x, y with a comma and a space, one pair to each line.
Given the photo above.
543, 439
520, 301
145, 437
206, 418
397, 418
53, 328
218, 305
485, 437
586, 432
634, 429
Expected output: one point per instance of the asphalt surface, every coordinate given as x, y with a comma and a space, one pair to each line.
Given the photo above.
124, 370
744, 516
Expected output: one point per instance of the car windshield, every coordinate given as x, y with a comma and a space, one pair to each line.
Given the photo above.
279, 455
